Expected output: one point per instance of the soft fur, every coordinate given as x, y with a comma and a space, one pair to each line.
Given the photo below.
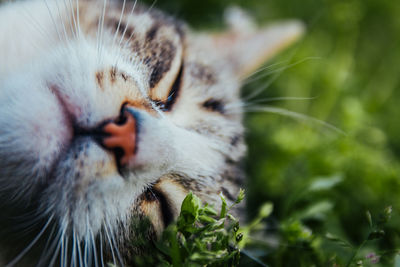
68, 65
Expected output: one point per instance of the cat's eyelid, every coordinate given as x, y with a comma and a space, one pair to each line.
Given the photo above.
173, 93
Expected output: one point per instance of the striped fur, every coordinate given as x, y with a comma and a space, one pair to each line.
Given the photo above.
70, 67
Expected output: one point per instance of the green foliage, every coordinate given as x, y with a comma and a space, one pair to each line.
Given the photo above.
375, 233
200, 237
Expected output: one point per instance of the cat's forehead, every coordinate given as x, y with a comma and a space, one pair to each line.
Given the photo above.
154, 42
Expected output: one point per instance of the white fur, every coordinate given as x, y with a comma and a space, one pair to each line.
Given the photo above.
48, 83
30, 112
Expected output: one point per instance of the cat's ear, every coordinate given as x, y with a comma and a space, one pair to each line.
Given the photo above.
246, 46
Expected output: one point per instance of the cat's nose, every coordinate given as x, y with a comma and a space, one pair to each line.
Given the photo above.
121, 137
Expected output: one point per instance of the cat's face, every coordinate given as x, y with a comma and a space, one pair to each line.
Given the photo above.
172, 96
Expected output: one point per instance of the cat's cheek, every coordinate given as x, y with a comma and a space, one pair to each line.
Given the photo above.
35, 129
155, 151
163, 148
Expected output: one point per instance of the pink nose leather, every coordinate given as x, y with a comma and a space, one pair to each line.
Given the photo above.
122, 136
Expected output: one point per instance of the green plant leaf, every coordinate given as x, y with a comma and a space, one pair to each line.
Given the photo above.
369, 218
240, 196
336, 239
224, 210
316, 211
377, 234
325, 183
265, 210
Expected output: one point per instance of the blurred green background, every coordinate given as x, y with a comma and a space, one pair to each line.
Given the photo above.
320, 180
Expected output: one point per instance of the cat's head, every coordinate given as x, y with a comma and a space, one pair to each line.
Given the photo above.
120, 117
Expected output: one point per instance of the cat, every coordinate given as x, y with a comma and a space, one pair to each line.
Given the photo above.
110, 113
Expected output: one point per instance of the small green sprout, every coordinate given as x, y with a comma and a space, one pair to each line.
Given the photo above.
200, 237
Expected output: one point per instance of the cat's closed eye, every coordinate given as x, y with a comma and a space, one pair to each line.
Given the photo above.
168, 102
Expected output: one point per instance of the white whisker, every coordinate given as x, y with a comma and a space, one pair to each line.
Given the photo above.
73, 19
130, 37
62, 249
103, 14
33, 242
119, 22
56, 251
124, 32
266, 100
65, 262
109, 243
127, 24
115, 244
62, 21
86, 248
241, 104
295, 115
277, 73
79, 252
52, 19
36, 24
93, 244
152, 5
285, 98
101, 249
281, 69
77, 18
68, 17
73, 255
49, 250
270, 66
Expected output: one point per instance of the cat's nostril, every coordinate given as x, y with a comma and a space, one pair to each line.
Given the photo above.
122, 117
121, 120
121, 137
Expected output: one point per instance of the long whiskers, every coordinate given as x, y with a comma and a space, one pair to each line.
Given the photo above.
62, 21
277, 73
130, 37
30, 245
26, 13
279, 69
77, 18
64, 249
87, 258
239, 105
100, 31
52, 19
75, 29
295, 115
127, 24
119, 22
247, 79
114, 242
69, 19
126, 44
79, 252
56, 254
101, 249
50, 249
111, 247
124, 32
96, 264
73, 255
